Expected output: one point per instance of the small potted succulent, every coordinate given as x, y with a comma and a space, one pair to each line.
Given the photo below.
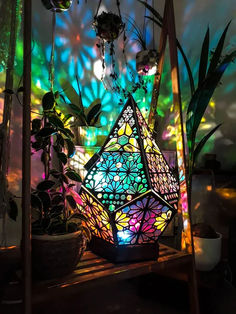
57, 5
59, 232
108, 26
207, 246
146, 59
84, 121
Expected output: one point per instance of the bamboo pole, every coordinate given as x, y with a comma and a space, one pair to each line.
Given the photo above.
187, 238
7, 110
26, 159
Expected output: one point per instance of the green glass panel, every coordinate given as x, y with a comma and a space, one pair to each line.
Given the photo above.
111, 208
123, 140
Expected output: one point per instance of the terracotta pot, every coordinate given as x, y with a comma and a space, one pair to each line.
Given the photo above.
207, 252
56, 255
57, 5
146, 62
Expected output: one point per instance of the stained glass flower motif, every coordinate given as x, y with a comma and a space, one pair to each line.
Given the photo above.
134, 188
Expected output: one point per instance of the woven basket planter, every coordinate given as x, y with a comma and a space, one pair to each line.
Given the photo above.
56, 255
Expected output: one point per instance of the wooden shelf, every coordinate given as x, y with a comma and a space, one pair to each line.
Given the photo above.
94, 270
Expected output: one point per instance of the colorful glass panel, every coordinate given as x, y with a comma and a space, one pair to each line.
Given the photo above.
142, 221
98, 219
131, 183
162, 180
117, 178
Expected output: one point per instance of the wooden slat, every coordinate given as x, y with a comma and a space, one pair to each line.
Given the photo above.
94, 270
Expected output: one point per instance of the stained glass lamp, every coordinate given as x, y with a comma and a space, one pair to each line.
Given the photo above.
129, 192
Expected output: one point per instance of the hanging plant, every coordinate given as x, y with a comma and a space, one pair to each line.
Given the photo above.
146, 59
108, 26
57, 5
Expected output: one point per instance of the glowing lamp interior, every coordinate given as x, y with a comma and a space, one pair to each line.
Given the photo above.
129, 192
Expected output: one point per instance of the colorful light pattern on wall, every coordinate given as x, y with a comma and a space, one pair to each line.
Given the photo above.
130, 193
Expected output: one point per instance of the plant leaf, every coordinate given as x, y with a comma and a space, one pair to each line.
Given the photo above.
204, 58
73, 176
203, 142
36, 202
71, 93
71, 201
62, 157
70, 148
60, 139
48, 101
93, 113
56, 121
67, 117
45, 199
217, 53
78, 216
154, 12
45, 132
190, 75
56, 200
64, 178
36, 125
45, 185
67, 132
202, 96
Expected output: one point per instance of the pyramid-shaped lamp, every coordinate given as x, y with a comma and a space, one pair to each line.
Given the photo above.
129, 192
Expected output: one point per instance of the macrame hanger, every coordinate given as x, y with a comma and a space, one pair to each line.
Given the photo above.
144, 23
118, 7
51, 64
153, 26
99, 4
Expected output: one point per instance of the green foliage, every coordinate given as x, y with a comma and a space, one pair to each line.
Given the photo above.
53, 201
139, 35
207, 83
158, 20
82, 116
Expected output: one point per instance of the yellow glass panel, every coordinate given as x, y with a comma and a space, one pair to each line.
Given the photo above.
111, 142
121, 131
133, 142
130, 148
128, 130
113, 148
149, 142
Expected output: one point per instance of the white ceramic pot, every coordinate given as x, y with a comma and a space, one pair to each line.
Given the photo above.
207, 252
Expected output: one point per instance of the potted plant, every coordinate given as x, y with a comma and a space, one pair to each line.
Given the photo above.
210, 74
57, 5
207, 246
146, 59
84, 121
59, 232
108, 26
211, 69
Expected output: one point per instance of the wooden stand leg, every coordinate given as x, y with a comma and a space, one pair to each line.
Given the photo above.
193, 290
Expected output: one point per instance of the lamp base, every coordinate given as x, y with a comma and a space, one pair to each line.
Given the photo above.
124, 253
